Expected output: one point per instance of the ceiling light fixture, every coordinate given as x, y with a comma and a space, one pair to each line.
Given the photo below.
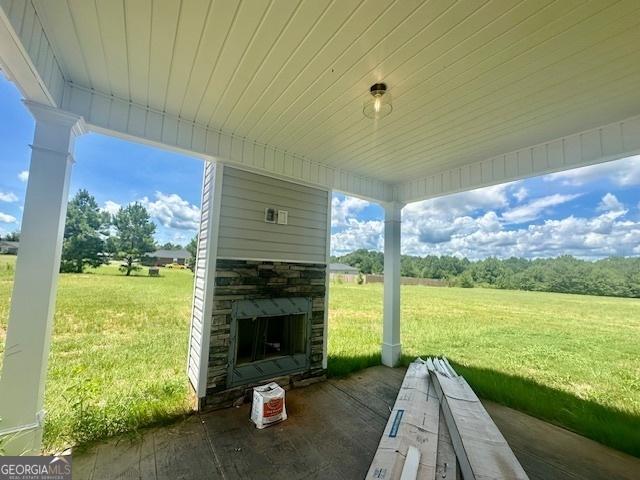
380, 104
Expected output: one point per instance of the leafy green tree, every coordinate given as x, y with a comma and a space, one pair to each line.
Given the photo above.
12, 237
171, 246
134, 235
192, 248
466, 280
111, 247
85, 229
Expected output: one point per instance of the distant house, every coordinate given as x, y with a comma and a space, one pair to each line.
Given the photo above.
8, 247
165, 257
343, 269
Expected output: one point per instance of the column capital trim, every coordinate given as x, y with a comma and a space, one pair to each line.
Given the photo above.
48, 114
66, 155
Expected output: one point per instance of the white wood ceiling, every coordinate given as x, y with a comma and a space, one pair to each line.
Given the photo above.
469, 79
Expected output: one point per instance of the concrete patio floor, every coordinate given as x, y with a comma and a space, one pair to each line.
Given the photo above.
332, 432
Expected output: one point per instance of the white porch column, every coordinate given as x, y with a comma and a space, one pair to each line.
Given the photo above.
24, 369
391, 347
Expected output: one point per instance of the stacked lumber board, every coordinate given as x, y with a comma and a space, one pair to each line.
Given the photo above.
439, 429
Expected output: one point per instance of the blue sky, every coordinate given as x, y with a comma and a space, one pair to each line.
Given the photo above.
591, 212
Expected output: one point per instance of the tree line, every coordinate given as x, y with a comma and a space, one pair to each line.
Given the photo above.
11, 237
614, 276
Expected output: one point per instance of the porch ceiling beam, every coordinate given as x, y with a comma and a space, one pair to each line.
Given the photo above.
115, 116
601, 144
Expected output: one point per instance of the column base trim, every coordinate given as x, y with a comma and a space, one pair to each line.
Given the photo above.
391, 354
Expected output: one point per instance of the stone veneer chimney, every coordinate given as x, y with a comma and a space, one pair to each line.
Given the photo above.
261, 286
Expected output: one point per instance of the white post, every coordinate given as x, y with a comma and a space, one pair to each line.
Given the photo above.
24, 369
391, 347
327, 283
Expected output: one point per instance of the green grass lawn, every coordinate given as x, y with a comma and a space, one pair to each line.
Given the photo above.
118, 356
119, 349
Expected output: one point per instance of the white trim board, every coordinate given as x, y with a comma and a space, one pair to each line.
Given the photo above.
597, 145
116, 116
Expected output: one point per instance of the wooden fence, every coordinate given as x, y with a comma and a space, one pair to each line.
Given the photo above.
369, 278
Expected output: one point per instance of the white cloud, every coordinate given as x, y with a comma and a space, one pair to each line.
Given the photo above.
8, 197
532, 210
521, 194
23, 176
344, 209
494, 221
111, 207
623, 173
610, 203
6, 218
600, 236
360, 234
173, 211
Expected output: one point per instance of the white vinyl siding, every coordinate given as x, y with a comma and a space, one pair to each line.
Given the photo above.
201, 310
244, 234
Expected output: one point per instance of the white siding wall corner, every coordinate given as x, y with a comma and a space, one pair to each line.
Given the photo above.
245, 235
204, 282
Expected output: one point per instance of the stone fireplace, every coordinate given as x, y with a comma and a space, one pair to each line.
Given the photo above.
267, 323
264, 293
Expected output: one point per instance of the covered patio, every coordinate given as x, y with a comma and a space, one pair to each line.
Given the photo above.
286, 102
333, 432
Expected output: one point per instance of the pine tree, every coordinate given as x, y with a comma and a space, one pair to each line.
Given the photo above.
86, 228
134, 235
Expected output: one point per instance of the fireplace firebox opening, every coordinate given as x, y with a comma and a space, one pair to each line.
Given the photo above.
262, 338
269, 337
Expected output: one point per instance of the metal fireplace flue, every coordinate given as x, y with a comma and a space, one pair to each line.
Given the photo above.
268, 338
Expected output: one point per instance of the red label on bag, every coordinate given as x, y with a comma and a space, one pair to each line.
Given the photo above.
273, 407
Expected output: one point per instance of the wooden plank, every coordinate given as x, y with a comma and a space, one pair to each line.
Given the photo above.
446, 463
414, 422
481, 449
411, 464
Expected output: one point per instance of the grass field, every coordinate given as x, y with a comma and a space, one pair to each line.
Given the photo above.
119, 348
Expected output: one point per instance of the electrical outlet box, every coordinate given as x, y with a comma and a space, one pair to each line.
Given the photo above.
270, 215
283, 217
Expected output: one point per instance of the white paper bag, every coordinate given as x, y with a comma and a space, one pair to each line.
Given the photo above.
268, 405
